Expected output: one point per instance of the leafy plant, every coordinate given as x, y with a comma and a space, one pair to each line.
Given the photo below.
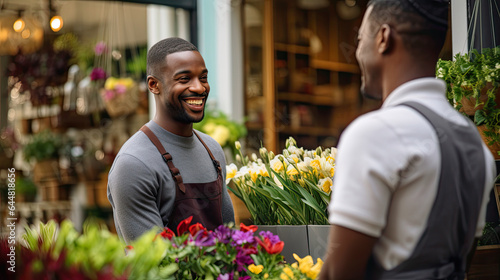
475, 77
60, 252
26, 186
292, 188
44, 145
221, 128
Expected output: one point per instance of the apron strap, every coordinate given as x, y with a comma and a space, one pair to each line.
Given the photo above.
216, 162
167, 157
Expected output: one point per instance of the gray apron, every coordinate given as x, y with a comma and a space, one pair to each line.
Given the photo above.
441, 252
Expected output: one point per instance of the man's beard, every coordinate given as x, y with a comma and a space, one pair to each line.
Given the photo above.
179, 114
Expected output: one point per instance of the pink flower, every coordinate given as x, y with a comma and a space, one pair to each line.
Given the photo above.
120, 89
108, 94
100, 48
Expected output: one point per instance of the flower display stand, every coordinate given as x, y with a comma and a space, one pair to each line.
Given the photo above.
302, 240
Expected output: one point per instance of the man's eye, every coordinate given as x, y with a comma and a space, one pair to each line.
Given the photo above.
184, 79
203, 78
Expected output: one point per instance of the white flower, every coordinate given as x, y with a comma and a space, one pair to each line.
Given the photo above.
231, 171
276, 165
325, 184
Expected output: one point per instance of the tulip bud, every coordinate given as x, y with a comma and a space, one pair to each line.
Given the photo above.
254, 157
271, 155
238, 158
319, 151
263, 154
286, 153
237, 145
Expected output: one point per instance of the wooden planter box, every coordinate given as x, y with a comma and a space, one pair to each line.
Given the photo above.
485, 263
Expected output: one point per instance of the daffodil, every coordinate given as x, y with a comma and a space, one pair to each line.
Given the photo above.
325, 184
276, 165
231, 171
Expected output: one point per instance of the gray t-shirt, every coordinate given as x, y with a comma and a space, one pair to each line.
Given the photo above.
141, 189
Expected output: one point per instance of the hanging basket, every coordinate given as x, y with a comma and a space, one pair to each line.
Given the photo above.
469, 103
494, 147
121, 103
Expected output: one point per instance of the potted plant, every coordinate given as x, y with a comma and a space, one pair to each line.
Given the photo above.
43, 149
25, 190
473, 81
289, 193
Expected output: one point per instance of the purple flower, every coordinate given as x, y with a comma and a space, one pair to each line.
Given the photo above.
241, 237
204, 241
223, 234
100, 48
245, 278
225, 276
97, 74
243, 259
273, 238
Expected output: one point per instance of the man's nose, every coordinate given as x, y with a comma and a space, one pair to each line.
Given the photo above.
197, 86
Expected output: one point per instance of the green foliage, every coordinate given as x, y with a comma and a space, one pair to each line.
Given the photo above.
44, 145
466, 77
138, 64
221, 128
25, 186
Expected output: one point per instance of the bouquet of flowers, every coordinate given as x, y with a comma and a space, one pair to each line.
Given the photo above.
61, 252
120, 95
292, 188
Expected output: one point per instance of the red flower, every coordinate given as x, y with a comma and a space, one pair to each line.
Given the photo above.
184, 225
129, 247
252, 228
271, 248
166, 233
193, 229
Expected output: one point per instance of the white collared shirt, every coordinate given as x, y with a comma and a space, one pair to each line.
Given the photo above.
395, 148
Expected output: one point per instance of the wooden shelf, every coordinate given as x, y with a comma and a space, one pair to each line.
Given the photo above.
254, 126
335, 66
322, 100
307, 130
291, 48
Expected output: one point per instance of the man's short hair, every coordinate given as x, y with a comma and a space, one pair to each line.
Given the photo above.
158, 52
421, 24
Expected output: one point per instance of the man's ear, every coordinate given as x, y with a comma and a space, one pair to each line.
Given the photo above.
153, 84
384, 39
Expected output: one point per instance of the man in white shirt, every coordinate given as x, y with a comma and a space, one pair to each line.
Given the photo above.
413, 178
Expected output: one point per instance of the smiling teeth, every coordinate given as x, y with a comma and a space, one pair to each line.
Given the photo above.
194, 102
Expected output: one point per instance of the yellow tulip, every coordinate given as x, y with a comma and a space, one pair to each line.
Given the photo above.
291, 170
266, 276
255, 269
110, 83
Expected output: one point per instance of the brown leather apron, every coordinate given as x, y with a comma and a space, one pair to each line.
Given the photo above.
200, 200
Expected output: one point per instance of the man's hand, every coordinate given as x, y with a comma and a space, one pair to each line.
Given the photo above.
347, 254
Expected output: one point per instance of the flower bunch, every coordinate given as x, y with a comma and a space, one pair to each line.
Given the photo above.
116, 86
224, 253
292, 188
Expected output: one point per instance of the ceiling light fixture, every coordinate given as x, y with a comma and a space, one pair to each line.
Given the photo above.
19, 24
56, 21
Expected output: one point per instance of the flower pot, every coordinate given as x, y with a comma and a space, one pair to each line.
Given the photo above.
494, 148
317, 237
45, 170
469, 103
294, 237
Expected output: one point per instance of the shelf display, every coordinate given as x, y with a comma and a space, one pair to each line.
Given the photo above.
302, 76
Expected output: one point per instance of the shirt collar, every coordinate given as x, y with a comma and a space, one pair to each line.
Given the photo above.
422, 89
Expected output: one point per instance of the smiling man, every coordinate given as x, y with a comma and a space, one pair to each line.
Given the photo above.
167, 171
